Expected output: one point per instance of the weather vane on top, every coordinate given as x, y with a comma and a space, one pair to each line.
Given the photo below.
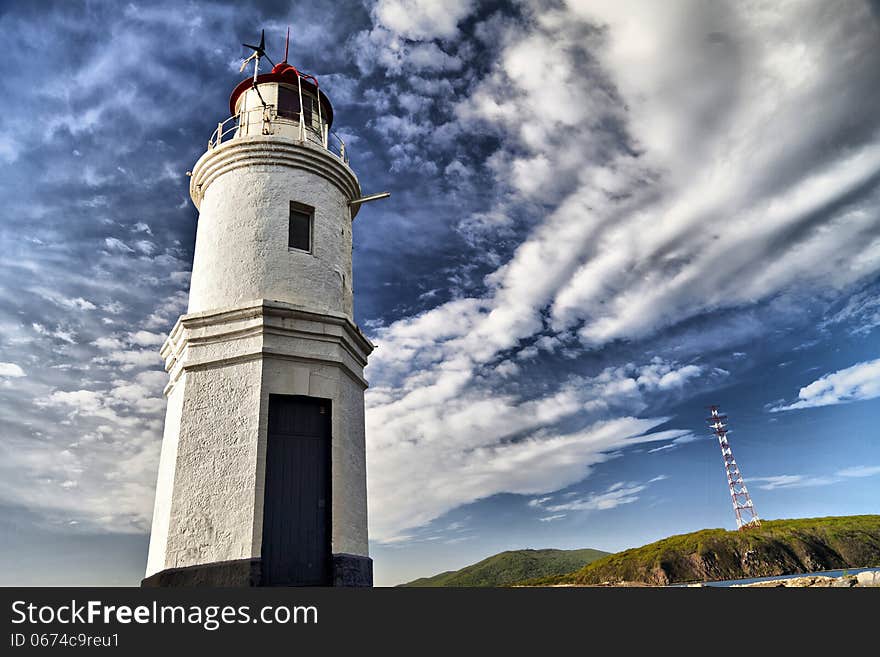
259, 51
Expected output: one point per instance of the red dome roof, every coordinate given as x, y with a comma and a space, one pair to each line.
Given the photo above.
284, 67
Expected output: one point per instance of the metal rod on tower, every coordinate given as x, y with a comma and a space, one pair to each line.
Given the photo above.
371, 197
302, 127
746, 515
320, 118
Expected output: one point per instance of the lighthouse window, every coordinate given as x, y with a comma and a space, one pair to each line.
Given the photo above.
308, 102
288, 105
299, 235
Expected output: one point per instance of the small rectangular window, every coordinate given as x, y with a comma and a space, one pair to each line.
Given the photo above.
288, 103
299, 234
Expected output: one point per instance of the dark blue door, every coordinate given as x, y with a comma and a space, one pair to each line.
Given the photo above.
296, 506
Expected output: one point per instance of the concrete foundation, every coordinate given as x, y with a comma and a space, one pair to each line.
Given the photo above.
349, 570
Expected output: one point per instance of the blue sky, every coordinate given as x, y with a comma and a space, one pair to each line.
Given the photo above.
604, 217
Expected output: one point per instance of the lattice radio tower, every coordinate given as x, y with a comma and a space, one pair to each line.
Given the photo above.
746, 516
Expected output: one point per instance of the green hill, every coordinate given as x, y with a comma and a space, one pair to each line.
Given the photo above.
777, 547
513, 566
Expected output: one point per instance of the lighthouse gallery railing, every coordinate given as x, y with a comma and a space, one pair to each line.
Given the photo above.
244, 124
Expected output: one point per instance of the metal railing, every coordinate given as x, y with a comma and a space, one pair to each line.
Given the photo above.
266, 121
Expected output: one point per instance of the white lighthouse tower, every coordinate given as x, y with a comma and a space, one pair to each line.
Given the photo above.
262, 476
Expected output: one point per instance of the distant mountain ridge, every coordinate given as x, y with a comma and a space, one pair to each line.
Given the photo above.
512, 566
777, 547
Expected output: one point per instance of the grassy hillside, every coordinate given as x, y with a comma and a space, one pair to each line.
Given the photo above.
514, 566
778, 547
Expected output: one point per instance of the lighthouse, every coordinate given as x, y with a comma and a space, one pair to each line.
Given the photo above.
262, 473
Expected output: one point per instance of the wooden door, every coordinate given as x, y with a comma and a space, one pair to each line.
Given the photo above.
296, 506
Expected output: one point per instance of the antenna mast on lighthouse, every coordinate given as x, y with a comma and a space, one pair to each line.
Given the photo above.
746, 516
259, 51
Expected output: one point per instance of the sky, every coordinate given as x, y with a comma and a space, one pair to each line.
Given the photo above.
605, 216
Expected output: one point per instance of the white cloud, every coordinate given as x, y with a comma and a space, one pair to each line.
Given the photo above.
180, 277
146, 338
103, 485
131, 358
693, 237
791, 481
117, 245
860, 471
103, 475
556, 516
683, 440
422, 19
167, 312
387, 49
614, 496
858, 382
143, 393
9, 149
118, 346
11, 370
435, 443
861, 313
65, 335
402, 38
107, 343
507, 369
810, 480
145, 246
665, 376
113, 307
85, 401
68, 303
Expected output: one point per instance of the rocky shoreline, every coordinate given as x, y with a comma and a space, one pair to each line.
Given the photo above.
866, 579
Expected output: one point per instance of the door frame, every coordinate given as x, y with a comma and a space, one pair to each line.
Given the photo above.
328, 510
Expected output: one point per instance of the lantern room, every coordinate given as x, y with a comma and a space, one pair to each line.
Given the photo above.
284, 102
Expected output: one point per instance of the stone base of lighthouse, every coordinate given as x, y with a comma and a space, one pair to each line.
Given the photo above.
264, 425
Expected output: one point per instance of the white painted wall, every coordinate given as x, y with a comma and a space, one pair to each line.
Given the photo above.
165, 482
241, 244
212, 508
